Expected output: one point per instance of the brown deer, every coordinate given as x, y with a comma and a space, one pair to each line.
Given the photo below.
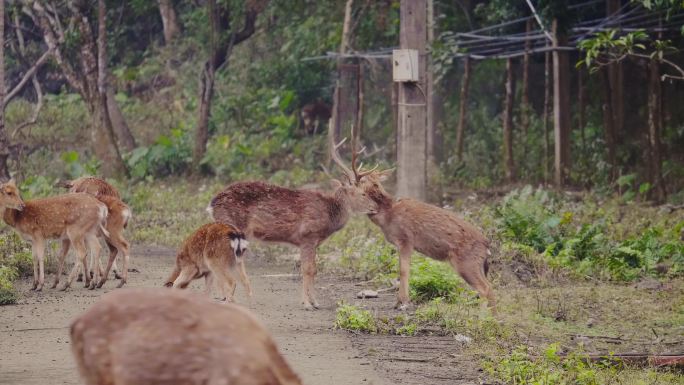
410, 225
313, 114
303, 218
119, 215
172, 337
74, 218
215, 250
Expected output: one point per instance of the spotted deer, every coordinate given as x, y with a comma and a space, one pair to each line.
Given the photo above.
214, 251
437, 233
173, 337
303, 218
76, 219
119, 216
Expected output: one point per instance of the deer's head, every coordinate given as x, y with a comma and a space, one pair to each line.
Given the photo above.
9, 196
349, 186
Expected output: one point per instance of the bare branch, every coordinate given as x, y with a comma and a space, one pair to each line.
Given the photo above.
27, 76
36, 109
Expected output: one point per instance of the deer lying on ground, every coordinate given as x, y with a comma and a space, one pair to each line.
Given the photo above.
410, 225
214, 251
172, 337
119, 215
303, 218
76, 219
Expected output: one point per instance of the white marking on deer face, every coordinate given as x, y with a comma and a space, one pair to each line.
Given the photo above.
239, 246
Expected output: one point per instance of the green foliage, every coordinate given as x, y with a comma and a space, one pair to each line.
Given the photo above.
533, 219
169, 155
74, 168
548, 368
431, 279
352, 318
7, 293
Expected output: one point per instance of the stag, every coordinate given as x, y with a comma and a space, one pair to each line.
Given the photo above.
303, 218
437, 233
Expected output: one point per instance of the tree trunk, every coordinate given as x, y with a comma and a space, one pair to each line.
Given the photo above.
561, 108
616, 79
121, 129
581, 100
105, 138
545, 125
525, 110
206, 94
412, 130
463, 108
4, 140
430, 94
335, 129
654, 112
509, 164
169, 20
608, 123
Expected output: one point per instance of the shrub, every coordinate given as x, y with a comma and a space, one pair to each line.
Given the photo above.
432, 279
350, 317
7, 293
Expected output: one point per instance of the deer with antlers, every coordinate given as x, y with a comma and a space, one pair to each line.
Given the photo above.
303, 218
76, 219
411, 225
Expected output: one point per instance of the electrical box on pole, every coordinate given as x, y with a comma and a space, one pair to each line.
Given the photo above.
405, 67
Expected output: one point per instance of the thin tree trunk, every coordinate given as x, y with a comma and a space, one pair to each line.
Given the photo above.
581, 106
169, 20
4, 140
202, 134
106, 132
561, 108
334, 130
509, 164
608, 123
360, 96
121, 129
616, 78
525, 110
654, 129
463, 108
430, 94
545, 125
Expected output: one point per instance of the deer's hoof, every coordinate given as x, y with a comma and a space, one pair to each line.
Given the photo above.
401, 306
54, 285
79, 278
64, 288
39, 288
100, 284
117, 275
121, 283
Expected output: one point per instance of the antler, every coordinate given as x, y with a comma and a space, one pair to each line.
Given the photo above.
358, 174
336, 157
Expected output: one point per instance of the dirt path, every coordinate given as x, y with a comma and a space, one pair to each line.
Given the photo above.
34, 341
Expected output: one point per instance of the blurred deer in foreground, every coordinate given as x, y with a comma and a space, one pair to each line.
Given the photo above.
410, 225
74, 218
117, 220
172, 337
214, 251
303, 218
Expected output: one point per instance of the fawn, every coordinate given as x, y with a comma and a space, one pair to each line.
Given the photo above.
215, 250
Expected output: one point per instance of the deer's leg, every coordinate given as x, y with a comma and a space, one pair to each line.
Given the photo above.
81, 261
225, 281
244, 278
38, 247
124, 248
308, 262
94, 248
35, 266
208, 284
113, 250
472, 271
60, 263
186, 276
404, 271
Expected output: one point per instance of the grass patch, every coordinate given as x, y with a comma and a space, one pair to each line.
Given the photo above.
352, 318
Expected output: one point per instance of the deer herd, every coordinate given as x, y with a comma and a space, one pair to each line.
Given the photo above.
213, 342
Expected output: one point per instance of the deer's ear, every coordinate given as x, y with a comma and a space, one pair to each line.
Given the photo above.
335, 184
385, 174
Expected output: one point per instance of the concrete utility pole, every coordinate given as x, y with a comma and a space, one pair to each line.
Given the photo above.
412, 101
